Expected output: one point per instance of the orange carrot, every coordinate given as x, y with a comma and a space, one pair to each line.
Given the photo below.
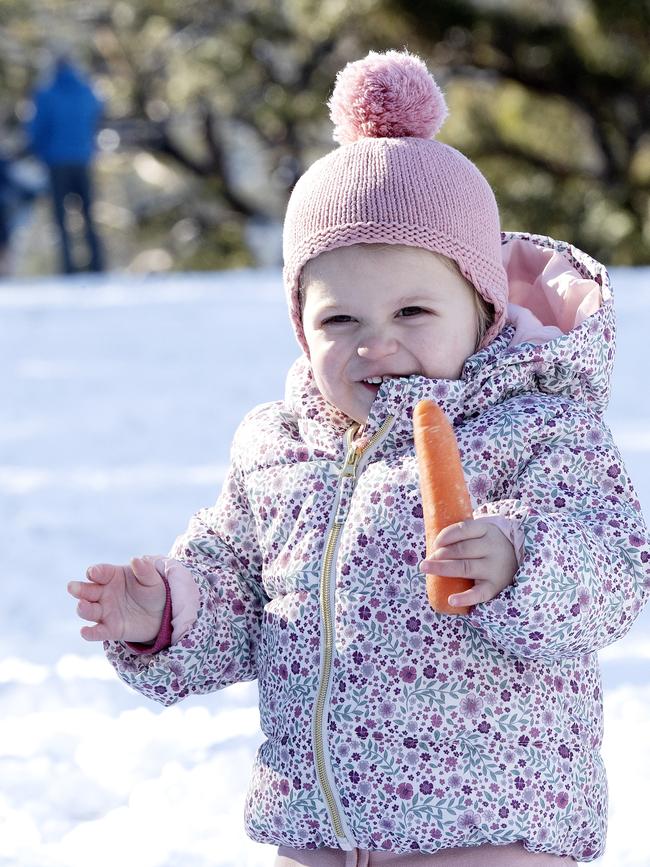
445, 499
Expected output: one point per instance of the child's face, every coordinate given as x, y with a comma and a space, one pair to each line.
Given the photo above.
379, 311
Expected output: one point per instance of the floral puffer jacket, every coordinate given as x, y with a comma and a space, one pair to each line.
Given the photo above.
389, 726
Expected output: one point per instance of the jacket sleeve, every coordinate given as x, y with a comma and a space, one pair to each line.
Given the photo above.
584, 570
38, 127
220, 548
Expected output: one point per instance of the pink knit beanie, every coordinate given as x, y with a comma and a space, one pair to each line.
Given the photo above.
390, 182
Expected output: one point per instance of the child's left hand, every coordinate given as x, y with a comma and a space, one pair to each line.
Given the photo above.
474, 549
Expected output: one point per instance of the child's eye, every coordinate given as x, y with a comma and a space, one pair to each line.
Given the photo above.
411, 311
335, 320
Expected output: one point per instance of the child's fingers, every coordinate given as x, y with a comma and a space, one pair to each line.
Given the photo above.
460, 531
158, 561
81, 590
462, 568
472, 549
480, 592
95, 633
89, 611
101, 573
145, 571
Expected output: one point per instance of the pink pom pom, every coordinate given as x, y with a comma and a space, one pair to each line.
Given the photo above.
387, 95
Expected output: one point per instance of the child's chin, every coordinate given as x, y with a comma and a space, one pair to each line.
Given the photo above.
356, 406
360, 412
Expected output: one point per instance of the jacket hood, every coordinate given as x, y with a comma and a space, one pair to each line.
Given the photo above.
559, 338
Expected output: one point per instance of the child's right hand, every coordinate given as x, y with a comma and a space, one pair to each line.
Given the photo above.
126, 603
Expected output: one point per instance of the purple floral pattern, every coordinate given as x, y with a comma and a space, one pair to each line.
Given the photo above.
441, 731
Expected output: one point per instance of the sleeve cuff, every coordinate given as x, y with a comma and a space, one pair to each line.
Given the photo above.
185, 598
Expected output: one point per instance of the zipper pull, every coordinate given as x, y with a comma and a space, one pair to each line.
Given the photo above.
349, 468
348, 477
351, 462
346, 487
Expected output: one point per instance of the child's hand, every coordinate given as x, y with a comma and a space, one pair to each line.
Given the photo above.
125, 602
474, 549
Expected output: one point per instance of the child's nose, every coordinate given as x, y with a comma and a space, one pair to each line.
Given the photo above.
377, 346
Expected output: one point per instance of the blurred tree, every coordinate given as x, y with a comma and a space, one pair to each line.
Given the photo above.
552, 100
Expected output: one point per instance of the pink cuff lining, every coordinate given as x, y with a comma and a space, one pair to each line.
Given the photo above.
163, 639
185, 597
511, 529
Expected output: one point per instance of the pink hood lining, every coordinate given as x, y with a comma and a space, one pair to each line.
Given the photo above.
548, 296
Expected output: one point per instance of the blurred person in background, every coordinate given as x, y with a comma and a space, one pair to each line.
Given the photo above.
61, 134
16, 199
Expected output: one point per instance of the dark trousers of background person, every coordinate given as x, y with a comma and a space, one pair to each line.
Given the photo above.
74, 178
4, 239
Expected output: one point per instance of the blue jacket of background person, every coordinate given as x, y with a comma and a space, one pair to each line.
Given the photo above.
67, 113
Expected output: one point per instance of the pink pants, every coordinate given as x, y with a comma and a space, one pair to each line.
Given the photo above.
513, 855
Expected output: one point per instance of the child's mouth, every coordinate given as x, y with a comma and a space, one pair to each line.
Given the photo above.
372, 387
373, 383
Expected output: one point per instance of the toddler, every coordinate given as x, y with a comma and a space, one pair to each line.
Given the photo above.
396, 735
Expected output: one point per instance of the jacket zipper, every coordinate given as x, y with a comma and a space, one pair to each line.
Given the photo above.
347, 483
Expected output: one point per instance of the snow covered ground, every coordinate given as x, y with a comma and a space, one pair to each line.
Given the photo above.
118, 400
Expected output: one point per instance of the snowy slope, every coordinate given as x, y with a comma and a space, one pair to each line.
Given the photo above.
118, 399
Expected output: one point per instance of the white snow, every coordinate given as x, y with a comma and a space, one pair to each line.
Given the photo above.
118, 400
